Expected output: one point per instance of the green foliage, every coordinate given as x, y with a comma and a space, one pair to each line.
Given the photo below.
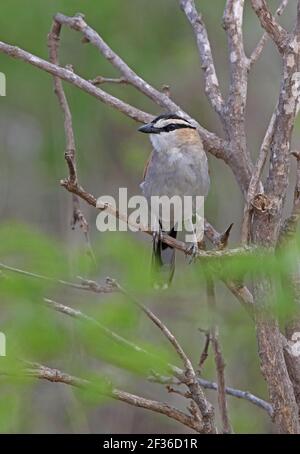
110, 154
37, 333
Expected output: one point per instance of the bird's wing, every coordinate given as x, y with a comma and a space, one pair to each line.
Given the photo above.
147, 165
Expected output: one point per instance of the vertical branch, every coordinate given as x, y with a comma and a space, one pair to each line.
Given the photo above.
53, 44
232, 112
267, 220
212, 88
236, 102
218, 357
255, 179
70, 153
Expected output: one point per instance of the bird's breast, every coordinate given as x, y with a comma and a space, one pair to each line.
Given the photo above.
177, 172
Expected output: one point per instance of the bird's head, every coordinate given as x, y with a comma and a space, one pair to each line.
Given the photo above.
170, 131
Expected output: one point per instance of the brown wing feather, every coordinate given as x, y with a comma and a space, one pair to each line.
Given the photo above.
147, 165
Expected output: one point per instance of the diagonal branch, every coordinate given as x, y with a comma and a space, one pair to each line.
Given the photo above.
78, 23
70, 76
278, 34
239, 394
97, 288
75, 313
56, 376
190, 377
206, 384
158, 97
212, 88
212, 143
261, 44
85, 285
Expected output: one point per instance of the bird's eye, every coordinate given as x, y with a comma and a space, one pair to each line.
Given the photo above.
171, 128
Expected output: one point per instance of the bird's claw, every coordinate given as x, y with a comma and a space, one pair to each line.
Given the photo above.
192, 252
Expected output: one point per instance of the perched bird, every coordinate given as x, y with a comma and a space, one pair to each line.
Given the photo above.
177, 166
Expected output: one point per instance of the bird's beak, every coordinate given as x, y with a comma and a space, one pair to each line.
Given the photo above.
147, 129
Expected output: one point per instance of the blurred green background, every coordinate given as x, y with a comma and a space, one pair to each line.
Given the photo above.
156, 40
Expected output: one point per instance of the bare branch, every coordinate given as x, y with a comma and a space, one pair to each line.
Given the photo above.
69, 76
166, 332
212, 143
278, 34
111, 286
207, 384
99, 80
190, 377
218, 357
161, 98
242, 294
240, 291
240, 395
261, 44
70, 152
56, 376
289, 226
99, 288
204, 354
206, 409
235, 107
220, 366
255, 179
53, 44
179, 245
212, 88
218, 239
75, 313
233, 23
78, 23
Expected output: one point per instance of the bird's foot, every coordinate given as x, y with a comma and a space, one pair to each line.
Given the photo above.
192, 252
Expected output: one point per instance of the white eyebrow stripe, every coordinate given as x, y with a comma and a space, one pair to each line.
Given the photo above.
170, 121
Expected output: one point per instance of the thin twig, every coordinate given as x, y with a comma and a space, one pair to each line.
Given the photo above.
70, 76
99, 288
239, 394
190, 380
218, 357
70, 152
99, 80
204, 354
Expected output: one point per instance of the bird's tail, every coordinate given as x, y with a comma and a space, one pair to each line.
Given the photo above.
163, 262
